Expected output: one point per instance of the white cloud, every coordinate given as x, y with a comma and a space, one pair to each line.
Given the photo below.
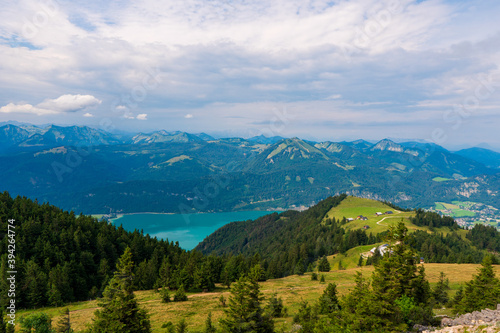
188, 116
25, 108
70, 103
62, 104
142, 116
243, 52
88, 115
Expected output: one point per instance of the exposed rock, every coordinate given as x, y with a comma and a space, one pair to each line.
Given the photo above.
478, 321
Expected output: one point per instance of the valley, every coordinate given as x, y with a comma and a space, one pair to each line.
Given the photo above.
92, 171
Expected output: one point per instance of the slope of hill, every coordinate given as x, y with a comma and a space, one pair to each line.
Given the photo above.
488, 157
62, 257
292, 289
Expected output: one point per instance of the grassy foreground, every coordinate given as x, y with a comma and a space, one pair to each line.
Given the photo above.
292, 289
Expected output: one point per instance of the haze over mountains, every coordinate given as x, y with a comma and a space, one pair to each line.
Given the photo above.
90, 170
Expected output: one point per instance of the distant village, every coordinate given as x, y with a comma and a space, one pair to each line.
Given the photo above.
481, 214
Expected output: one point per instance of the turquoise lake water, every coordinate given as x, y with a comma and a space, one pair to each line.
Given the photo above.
187, 229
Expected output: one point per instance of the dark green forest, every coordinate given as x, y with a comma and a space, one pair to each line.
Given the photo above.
63, 257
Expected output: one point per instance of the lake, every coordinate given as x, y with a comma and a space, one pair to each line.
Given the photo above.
187, 229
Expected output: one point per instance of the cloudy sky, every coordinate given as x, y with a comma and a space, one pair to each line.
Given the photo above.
323, 70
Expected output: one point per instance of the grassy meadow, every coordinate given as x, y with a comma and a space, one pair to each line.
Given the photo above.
292, 289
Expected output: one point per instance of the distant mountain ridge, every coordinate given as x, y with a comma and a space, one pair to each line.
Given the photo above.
169, 171
488, 157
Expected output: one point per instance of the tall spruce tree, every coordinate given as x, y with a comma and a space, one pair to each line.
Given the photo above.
482, 292
120, 311
244, 312
396, 283
329, 302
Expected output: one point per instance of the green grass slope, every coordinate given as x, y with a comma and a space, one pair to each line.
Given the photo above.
292, 290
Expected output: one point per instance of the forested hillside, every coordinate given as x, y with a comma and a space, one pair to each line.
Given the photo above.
63, 257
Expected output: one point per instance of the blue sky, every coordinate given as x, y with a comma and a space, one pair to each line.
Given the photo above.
321, 70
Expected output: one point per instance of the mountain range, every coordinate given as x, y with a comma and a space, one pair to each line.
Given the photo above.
93, 171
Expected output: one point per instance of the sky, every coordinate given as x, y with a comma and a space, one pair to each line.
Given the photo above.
319, 70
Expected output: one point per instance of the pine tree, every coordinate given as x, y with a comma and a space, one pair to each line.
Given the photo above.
482, 292
307, 317
244, 312
440, 291
209, 326
300, 268
275, 307
181, 327
329, 301
395, 276
360, 261
165, 295
3, 324
37, 322
257, 273
222, 301
119, 309
322, 279
180, 295
324, 265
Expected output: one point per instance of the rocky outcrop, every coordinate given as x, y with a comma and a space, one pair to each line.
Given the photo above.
478, 321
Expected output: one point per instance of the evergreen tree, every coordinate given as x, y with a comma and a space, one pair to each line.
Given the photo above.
165, 295
400, 293
440, 291
222, 301
64, 323
329, 301
257, 273
119, 309
275, 307
181, 327
482, 292
300, 267
322, 279
209, 326
360, 261
244, 312
180, 295
203, 277
324, 265
314, 277
3, 323
37, 322
307, 317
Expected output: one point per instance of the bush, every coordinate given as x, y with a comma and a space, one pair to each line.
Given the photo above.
314, 277
180, 295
